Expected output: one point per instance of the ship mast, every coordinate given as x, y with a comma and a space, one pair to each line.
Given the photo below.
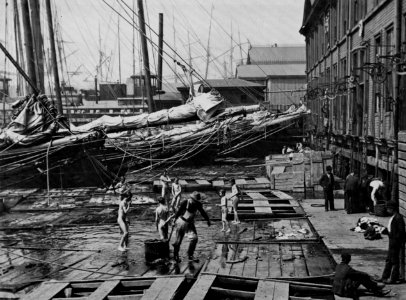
147, 76
208, 45
53, 57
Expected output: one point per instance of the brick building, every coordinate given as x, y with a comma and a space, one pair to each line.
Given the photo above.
355, 56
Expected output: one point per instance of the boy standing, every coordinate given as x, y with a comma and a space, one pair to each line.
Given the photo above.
223, 206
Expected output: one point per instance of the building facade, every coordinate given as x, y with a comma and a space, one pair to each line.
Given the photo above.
281, 69
355, 59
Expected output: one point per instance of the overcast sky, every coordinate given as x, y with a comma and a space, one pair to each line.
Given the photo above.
262, 22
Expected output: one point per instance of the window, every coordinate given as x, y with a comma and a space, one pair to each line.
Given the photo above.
356, 12
378, 47
328, 78
344, 13
377, 102
327, 29
361, 64
390, 50
333, 23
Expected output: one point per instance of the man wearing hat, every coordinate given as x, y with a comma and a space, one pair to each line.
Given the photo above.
327, 182
347, 280
394, 271
185, 222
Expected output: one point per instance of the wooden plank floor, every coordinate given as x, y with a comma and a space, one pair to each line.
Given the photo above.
161, 288
287, 260
210, 286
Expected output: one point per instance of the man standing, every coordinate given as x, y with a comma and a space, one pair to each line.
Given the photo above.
351, 186
185, 222
327, 182
347, 280
394, 270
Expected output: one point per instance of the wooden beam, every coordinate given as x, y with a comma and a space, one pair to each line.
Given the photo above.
201, 287
265, 290
231, 293
46, 291
163, 288
103, 290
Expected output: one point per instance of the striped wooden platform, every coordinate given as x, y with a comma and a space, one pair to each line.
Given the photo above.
203, 184
211, 286
261, 202
278, 260
160, 288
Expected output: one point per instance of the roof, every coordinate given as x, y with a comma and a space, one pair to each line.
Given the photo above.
263, 71
310, 12
226, 83
276, 55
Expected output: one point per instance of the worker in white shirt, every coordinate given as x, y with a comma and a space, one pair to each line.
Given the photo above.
377, 193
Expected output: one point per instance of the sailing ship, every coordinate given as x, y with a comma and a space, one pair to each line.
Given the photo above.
40, 148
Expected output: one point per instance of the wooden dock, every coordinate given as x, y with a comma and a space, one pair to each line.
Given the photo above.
159, 288
271, 260
211, 286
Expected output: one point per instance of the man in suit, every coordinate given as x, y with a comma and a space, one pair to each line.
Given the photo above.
394, 271
327, 182
351, 187
347, 280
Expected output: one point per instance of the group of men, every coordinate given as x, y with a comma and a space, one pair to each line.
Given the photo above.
184, 213
347, 279
358, 195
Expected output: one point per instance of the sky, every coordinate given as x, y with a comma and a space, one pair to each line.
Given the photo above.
89, 30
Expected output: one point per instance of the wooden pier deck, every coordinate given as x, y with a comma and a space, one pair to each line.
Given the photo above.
277, 260
210, 286
159, 288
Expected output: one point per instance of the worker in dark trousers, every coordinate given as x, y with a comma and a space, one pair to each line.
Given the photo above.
327, 182
347, 280
378, 193
185, 223
394, 271
364, 194
351, 187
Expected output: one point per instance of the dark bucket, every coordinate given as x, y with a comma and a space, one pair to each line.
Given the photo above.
155, 249
380, 209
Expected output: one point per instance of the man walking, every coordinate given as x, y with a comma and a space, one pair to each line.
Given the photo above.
347, 280
185, 222
394, 271
327, 182
351, 187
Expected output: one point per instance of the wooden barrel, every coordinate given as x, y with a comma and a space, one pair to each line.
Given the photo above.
155, 249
